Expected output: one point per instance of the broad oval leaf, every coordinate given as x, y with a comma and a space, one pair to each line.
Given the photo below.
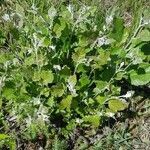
139, 79
47, 77
117, 105
57, 90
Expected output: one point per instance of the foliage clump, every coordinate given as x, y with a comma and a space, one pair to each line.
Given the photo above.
62, 66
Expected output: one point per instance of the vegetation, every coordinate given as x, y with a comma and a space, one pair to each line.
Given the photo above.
73, 74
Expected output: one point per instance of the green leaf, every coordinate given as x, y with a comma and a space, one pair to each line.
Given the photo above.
82, 68
50, 102
119, 75
136, 55
118, 51
59, 27
101, 59
47, 76
41, 60
117, 105
118, 29
4, 136
83, 41
36, 76
46, 42
145, 66
65, 13
9, 93
91, 101
4, 57
84, 80
57, 90
144, 35
65, 72
100, 86
30, 60
71, 125
44, 76
72, 80
8, 141
52, 12
66, 103
115, 90
92, 119
12, 144
79, 55
101, 99
45, 92
20, 10
139, 79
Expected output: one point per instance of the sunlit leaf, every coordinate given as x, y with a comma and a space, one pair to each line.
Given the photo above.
9, 93
52, 12
4, 136
57, 90
36, 76
101, 99
59, 27
92, 119
117, 105
66, 102
144, 35
50, 102
72, 80
45, 92
101, 59
139, 79
47, 76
